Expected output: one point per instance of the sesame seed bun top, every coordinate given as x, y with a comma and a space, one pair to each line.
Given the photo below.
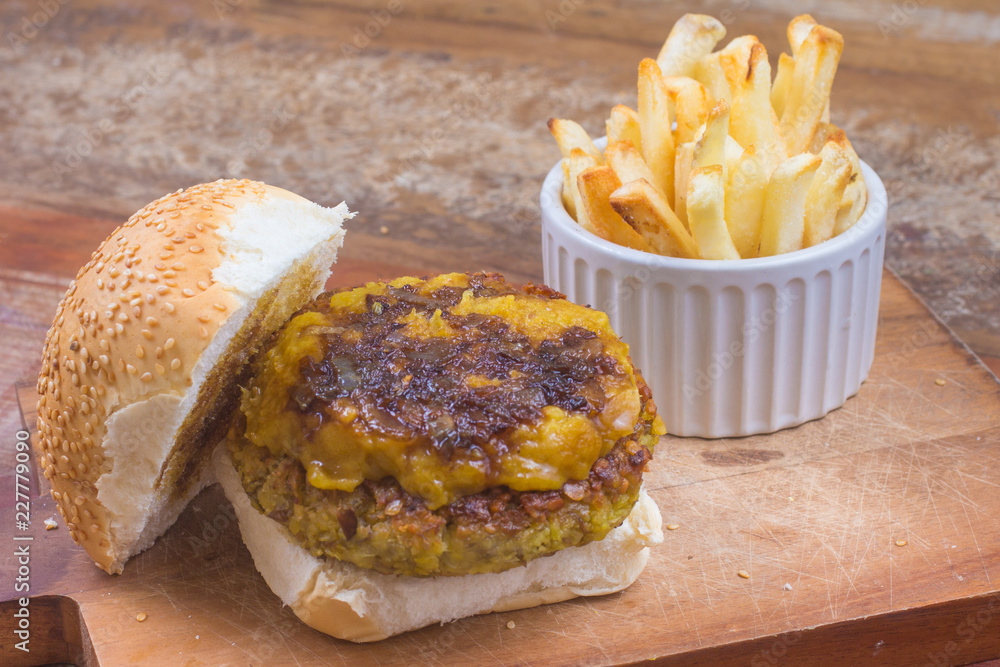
134, 329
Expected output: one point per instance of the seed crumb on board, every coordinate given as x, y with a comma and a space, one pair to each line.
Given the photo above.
939, 382
786, 587
50, 523
510, 625
901, 543
743, 574
142, 616
673, 526
383, 229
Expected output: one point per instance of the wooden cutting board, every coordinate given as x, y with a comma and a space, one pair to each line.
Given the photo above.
871, 536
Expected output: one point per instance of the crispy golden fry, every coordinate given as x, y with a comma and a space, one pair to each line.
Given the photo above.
745, 190
825, 194
627, 162
577, 163
782, 83
623, 125
566, 191
809, 93
644, 207
682, 170
733, 154
753, 121
718, 71
710, 148
852, 206
828, 132
655, 126
596, 185
691, 107
785, 205
692, 37
570, 135
706, 213
798, 29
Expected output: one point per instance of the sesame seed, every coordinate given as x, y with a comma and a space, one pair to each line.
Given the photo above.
383, 229
202, 285
140, 352
137, 312
150, 299
159, 352
169, 344
203, 319
147, 377
901, 543
743, 574
939, 382
162, 289
166, 255
160, 370
510, 625
147, 334
203, 332
142, 616
123, 317
131, 369
196, 249
152, 321
219, 307
175, 364
672, 526
177, 266
135, 302
187, 292
169, 307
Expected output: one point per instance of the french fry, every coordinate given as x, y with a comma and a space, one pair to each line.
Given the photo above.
623, 125
782, 223
809, 93
825, 194
691, 105
692, 37
655, 126
710, 148
569, 135
706, 213
643, 206
782, 82
745, 190
852, 207
753, 121
798, 29
682, 170
596, 185
717, 71
733, 154
627, 162
566, 192
577, 163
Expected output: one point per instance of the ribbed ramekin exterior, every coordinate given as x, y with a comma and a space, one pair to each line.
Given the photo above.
732, 348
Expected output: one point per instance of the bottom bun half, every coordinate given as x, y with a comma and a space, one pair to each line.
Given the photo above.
359, 605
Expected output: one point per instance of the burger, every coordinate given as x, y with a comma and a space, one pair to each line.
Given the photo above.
398, 454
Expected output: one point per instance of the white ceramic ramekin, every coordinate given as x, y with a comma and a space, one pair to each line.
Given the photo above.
732, 348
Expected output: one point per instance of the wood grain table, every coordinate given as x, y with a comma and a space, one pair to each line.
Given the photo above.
429, 118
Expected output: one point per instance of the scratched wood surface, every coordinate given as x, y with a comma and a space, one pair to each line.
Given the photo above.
870, 536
